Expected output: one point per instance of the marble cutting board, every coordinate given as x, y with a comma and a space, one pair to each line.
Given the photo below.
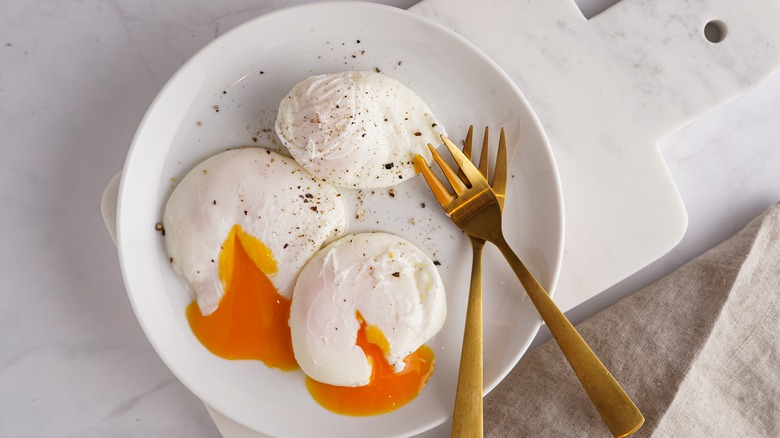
607, 90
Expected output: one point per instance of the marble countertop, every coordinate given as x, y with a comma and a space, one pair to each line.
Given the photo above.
75, 80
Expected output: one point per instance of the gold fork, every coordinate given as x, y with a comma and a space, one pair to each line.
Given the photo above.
475, 209
467, 415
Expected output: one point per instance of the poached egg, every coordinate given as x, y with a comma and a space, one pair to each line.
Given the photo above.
279, 207
356, 129
377, 283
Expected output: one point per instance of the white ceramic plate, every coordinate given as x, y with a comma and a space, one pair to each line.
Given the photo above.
227, 96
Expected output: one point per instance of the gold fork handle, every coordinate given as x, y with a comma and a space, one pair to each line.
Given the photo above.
467, 415
613, 404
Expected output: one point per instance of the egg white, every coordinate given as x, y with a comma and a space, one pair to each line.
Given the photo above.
392, 283
356, 129
270, 196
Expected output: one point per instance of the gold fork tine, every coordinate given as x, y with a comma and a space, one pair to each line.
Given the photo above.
483, 155
471, 172
450, 174
467, 151
442, 194
499, 176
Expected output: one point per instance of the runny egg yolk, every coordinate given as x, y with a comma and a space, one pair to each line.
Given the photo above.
251, 320
386, 390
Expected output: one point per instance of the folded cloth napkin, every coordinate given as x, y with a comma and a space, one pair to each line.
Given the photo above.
698, 352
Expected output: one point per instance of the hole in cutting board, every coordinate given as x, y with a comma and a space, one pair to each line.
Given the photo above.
715, 31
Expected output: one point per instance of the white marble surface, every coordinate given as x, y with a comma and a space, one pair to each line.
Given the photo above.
75, 79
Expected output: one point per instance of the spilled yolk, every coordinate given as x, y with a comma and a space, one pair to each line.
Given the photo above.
386, 390
251, 320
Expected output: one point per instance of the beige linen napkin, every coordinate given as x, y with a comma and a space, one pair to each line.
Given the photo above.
698, 351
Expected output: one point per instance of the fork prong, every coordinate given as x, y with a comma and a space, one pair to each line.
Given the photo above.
471, 172
483, 154
450, 174
467, 146
500, 171
439, 190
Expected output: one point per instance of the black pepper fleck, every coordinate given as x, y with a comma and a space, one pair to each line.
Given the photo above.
437, 263
396, 274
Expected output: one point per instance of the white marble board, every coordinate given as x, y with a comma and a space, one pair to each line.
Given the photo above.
607, 90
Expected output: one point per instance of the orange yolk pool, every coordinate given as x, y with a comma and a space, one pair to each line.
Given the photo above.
386, 390
251, 320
